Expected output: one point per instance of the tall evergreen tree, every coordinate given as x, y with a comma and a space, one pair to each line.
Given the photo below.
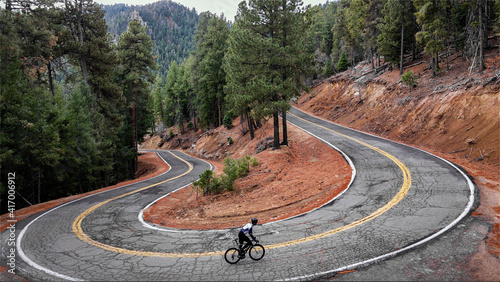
477, 25
431, 18
397, 31
364, 18
340, 30
265, 59
135, 53
159, 98
320, 21
171, 94
209, 76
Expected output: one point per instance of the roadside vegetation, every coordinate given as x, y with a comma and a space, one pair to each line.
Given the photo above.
209, 183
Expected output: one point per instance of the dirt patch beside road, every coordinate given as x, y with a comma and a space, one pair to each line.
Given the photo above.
287, 182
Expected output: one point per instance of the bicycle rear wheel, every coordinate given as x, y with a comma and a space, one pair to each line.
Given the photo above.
232, 255
257, 252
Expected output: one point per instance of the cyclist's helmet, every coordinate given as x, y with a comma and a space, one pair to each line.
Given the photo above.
254, 221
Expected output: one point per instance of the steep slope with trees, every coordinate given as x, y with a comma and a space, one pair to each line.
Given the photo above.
63, 108
170, 25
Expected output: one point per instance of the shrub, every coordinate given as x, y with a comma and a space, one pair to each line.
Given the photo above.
409, 79
209, 183
343, 63
227, 121
203, 184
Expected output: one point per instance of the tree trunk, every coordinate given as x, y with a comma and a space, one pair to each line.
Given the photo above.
83, 59
481, 37
134, 132
276, 123
51, 82
371, 58
39, 178
250, 127
219, 113
285, 133
402, 45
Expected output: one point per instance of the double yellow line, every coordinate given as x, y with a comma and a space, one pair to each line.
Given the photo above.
395, 200
77, 224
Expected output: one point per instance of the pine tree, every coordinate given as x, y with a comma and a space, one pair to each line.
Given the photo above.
339, 30
397, 31
135, 52
431, 18
265, 59
496, 22
328, 70
171, 94
211, 38
319, 36
363, 22
477, 23
159, 98
343, 63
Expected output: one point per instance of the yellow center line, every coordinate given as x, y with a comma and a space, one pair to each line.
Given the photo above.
77, 224
77, 228
395, 200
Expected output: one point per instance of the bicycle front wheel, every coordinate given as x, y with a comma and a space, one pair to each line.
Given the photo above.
232, 255
257, 252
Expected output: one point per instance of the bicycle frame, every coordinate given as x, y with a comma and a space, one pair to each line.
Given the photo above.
246, 246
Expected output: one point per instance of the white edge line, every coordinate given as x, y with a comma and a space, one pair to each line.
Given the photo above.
140, 216
414, 245
166, 229
32, 263
349, 161
23, 231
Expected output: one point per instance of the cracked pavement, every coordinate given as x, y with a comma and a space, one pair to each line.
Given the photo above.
366, 228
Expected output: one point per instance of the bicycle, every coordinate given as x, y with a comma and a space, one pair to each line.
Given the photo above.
233, 255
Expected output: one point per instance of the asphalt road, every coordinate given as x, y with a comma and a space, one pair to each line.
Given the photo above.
400, 198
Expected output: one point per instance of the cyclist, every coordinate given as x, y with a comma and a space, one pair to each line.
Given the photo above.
243, 238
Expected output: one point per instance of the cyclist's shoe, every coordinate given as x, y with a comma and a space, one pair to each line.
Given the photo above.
242, 256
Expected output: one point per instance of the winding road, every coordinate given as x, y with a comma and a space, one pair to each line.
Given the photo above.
399, 198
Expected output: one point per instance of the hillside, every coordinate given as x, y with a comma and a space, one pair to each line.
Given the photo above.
454, 115
170, 25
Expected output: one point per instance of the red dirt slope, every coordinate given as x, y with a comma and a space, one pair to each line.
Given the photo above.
281, 186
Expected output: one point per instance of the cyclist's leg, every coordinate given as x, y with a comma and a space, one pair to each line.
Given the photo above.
242, 239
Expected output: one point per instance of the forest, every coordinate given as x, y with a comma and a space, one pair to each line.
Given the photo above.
170, 25
81, 84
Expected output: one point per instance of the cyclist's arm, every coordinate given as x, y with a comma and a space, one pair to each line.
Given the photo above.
251, 235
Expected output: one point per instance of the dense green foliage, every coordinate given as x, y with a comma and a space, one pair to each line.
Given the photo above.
170, 25
135, 52
209, 183
64, 101
409, 79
